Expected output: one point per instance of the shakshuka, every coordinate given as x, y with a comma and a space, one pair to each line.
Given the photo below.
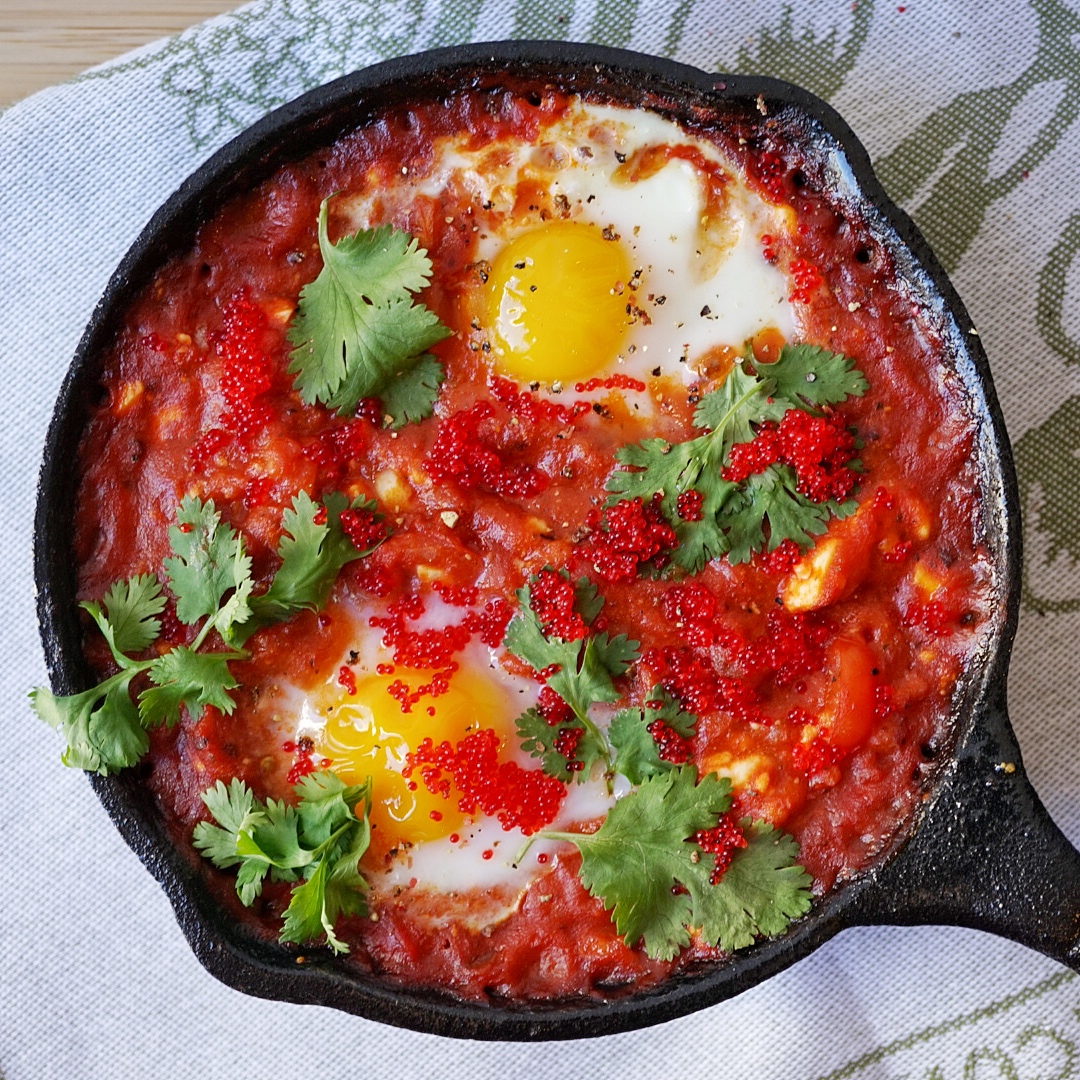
662, 543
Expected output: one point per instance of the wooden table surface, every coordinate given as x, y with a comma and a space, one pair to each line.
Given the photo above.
47, 41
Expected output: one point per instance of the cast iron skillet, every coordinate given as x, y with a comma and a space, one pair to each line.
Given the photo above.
981, 852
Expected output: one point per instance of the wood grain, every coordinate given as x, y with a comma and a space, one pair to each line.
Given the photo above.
47, 42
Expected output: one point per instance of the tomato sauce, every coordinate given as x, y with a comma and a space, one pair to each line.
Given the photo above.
822, 687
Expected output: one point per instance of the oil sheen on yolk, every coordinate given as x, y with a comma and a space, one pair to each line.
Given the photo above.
556, 301
368, 734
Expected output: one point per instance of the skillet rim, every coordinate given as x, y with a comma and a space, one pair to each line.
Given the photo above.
268, 971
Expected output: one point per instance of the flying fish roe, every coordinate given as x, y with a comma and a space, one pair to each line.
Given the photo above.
794, 645
526, 799
688, 505
527, 405
819, 449
553, 598
630, 534
364, 527
721, 841
694, 609
248, 366
462, 454
806, 280
670, 745
699, 687
428, 648
346, 679
566, 743
933, 617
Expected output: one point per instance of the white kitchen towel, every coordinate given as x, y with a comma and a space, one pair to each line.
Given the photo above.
970, 112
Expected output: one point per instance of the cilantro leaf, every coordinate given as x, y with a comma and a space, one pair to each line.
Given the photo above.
587, 665
259, 838
613, 655
663, 705
585, 672
210, 574
127, 614
699, 542
655, 467
636, 753
312, 555
588, 602
409, 395
357, 329
525, 639
185, 677
235, 810
99, 739
636, 860
335, 888
637, 756
772, 497
540, 739
209, 561
274, 840
318, 842
813, 376
591, 677
742, 399
101, 725
644, 866
762, 890
738, 519
326, 803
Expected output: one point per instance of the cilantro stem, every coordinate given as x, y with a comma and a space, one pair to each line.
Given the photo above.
602, 740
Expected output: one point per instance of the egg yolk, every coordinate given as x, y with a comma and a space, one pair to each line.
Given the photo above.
368, 734
556, 301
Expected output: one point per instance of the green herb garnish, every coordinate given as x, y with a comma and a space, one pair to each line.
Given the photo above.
759, 513
357, 332
583, 674
209, 574
643, 862
317, 843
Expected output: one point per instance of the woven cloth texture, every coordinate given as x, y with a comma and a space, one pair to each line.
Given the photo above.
970, 112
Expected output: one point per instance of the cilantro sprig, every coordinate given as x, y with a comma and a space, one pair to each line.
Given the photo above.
357, 332
643, 863
759, 513
316, 843
583, 673
209, 574
644, 866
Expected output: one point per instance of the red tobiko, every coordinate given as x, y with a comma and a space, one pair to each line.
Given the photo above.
670, 745
696, 684
793, 645
363, 527
630, 534
460, 453
246, 377
526, 799
721, 841
552, 599
818, 448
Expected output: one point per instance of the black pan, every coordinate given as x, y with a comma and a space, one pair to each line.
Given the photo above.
981, 852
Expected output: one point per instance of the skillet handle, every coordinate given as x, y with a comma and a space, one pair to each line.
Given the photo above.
988, 855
